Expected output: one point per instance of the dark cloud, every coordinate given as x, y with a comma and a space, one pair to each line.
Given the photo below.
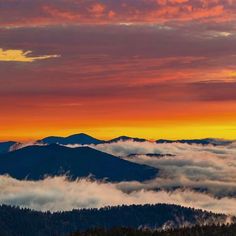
118, 60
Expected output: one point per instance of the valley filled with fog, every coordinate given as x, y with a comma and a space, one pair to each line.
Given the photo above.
191, 175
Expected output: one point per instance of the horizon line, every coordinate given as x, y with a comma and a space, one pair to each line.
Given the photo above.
27, 139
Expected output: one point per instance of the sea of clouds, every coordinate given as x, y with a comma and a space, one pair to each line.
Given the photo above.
60, 194
208, 168
193, 176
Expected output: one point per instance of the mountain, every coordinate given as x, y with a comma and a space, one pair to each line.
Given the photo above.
34, 162
15, 221
85, 139
82, 139
206, 141
6, 146
154, 155
126, 138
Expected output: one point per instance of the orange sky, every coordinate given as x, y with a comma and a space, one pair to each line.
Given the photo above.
147, 68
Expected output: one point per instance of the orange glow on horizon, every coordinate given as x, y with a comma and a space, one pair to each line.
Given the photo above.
166, 130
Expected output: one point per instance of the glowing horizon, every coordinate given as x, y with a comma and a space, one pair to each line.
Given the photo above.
150, 133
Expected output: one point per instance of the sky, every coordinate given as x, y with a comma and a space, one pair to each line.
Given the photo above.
144, 68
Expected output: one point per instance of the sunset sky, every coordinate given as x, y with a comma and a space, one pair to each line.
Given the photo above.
145, 68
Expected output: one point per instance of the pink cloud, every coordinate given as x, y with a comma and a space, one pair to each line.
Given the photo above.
111, 11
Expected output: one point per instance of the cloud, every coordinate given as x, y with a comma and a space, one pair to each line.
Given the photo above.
59, 12
210, 169
21, 56
199, 176
97, 9
60, 194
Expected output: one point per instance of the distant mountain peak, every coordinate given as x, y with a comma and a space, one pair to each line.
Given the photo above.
126, 138
204, 141
80, 138
85, 139
79, 135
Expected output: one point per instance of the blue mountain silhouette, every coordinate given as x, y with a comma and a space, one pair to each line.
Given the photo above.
206, 141
72, 139
34, 162
126, 138
84, 139
6, 146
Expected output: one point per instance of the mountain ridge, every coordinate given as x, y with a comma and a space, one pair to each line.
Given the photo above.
205, 141
15, 221
7, 146
80, 138
35, 162
125, 138
84, 139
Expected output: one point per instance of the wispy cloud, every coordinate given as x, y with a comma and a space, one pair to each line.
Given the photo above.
15, 55
60, 194
179, 77
209, 168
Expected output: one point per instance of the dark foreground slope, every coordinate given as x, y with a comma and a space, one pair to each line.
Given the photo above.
15, 222
214, 230
35, 162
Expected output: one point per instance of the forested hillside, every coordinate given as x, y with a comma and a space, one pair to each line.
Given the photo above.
24, 222
223, 230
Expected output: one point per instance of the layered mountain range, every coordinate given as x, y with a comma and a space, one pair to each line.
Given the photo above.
84, 139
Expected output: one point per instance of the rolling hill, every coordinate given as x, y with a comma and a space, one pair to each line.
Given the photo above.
34, 162
15, 221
